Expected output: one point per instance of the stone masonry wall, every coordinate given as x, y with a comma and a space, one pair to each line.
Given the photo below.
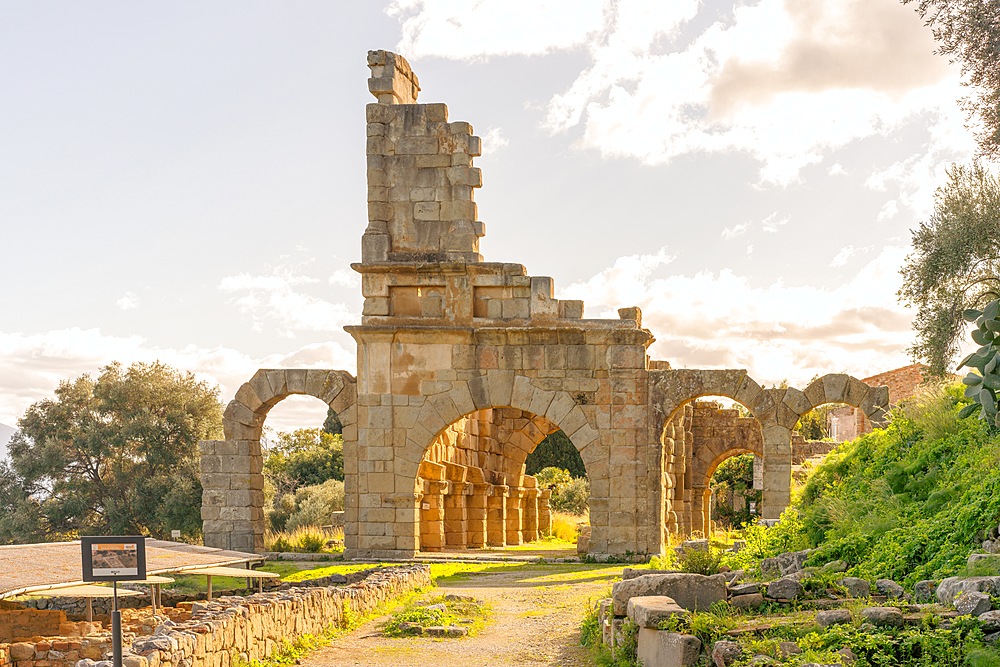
252, 628
23, 623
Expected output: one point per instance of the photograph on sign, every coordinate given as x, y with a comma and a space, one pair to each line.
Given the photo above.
115, 560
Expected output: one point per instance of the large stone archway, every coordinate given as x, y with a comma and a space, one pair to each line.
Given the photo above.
445, 335
232, 469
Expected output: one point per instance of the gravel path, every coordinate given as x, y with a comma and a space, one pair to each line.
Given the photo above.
537, 610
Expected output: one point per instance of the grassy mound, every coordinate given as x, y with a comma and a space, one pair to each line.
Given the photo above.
908, 502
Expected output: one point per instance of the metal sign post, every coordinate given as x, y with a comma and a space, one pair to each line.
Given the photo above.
114, 559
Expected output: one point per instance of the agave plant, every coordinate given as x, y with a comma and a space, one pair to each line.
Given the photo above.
983, 381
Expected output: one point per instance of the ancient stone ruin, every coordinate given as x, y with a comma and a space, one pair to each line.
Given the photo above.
464, 366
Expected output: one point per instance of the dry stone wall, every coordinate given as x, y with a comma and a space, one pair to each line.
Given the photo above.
252, 628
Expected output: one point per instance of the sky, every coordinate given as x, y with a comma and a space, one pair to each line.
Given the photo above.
184, 181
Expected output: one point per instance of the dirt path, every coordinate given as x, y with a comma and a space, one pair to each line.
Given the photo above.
537, 610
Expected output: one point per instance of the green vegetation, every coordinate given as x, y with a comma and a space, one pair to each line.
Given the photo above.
733, 476
117, 455
982, 385
556, 451
908, 502
306, 539
968, 31
569, 494
955, 263
304, 479
442, 610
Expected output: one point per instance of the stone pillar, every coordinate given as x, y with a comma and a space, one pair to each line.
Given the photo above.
496, 516
477, 512
699, 510
514, 523
544, 513
232, 482
432, 515
777, 472
455, 506
456, 524
529, 516
707, 512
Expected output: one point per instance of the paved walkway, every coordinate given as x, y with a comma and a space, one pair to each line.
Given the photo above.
537, 610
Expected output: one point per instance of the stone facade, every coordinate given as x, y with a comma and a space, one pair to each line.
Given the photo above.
464, 365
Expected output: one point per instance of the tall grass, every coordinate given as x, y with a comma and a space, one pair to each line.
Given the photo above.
306, 539
565, 527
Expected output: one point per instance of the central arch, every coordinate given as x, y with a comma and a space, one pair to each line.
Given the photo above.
472, 488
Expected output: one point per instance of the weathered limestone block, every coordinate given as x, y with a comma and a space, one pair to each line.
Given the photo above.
694, 592
649, 610
658, 648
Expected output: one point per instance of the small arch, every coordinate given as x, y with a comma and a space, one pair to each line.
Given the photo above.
843, 388
677, 387
244, 416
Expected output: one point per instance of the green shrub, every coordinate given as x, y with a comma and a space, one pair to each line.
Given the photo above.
696, 561
573, 498
552, 478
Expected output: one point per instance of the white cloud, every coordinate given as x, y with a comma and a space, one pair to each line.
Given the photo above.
493, 140
455, 29
845, 254
776, 331
836, 169
276, 301
787, 82
129, 301
345, 278
735, 230
770, 225
31, 366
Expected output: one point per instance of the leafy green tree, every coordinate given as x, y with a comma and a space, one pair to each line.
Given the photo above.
304, 457
556, 451
969, 31
955, 263
115, 455
734, 475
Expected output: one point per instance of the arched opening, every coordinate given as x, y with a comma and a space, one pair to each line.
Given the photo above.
472, 485
700, 435
818, 432
232, 470
303, 465
735, 489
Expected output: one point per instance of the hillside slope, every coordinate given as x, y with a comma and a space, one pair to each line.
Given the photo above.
908, 502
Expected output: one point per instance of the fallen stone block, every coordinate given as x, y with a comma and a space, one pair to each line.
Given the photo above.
726, 652
446, 631
784, 589
973, 603
658, 648
748, 601
857, 588
889, 588
649, 611
885, 617
694, 592
829, 617
949, 588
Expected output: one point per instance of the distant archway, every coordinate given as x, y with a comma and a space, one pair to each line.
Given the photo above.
232, 469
